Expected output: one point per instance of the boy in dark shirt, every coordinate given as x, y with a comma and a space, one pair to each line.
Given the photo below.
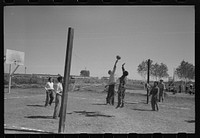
122, 88
154, 98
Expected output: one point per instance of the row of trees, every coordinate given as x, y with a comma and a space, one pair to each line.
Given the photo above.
185, 71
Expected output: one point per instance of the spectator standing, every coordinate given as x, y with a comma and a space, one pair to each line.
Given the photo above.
49, 92
161, 86
58, 90
154, 98
190, 89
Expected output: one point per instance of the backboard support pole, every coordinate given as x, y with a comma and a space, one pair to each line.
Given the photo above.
10, 76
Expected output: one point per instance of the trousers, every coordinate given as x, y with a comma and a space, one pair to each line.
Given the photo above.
121, 95
49, 97
57, 106
154, 103
111, 94
161, 95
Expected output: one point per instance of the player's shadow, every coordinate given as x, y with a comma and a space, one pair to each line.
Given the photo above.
39, 117
36, 105
142, 109
91, 114
190, 121
98, 104
131, 102
23, 130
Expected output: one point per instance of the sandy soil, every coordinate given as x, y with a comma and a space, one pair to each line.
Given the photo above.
24, 112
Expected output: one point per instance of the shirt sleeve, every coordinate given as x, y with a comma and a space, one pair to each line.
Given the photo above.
57, 88
114, 69
123, 69
46, 86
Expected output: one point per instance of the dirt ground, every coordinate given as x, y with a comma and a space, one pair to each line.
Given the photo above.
24, 112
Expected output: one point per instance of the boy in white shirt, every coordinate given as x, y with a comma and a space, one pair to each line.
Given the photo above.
49, 92
111, 85
59, 90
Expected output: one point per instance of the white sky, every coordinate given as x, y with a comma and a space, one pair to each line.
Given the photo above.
136, 33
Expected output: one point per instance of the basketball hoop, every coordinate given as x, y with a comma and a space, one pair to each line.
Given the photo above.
16, 58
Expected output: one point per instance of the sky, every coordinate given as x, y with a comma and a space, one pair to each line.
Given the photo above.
164, 34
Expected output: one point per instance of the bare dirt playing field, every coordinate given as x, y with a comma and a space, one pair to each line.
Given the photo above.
24, 112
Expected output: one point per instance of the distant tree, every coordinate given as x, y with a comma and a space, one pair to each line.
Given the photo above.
155, 70
85, 73
142, 68
185, 71
159, 71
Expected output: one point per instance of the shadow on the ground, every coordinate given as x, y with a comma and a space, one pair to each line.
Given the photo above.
39, 117
24, 130
91, 114
190, 121
99, 104
36, 105
137, 94
142, 109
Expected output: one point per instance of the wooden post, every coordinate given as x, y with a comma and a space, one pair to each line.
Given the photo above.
148, 68
66, 80
9, 85
10, 76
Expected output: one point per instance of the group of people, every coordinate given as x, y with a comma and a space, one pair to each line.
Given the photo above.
157, 91
121, 88
50, 90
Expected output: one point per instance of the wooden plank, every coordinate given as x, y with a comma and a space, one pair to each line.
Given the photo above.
66, 80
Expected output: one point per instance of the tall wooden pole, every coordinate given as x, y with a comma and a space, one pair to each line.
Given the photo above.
148, 80
10, 78
66, 80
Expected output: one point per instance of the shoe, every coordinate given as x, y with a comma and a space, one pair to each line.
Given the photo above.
117, 106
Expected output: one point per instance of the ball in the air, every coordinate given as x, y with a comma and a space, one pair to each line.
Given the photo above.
118, 57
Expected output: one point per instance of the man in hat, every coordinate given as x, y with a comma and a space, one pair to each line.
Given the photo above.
161, 86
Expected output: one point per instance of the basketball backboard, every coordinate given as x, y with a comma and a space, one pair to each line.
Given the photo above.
16, 57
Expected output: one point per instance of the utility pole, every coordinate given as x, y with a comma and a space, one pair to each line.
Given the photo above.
10, 78
148, 68
66, 80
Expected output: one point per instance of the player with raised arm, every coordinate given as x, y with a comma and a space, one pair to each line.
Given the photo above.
111, 84
122, 87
